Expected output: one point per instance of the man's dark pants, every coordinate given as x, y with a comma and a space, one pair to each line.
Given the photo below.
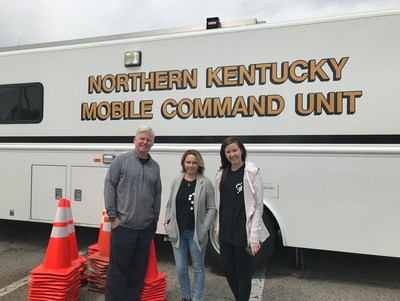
129, 255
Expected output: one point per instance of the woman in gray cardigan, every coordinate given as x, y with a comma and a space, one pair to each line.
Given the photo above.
190, 213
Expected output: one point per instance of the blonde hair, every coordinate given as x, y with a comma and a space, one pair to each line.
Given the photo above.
199, 158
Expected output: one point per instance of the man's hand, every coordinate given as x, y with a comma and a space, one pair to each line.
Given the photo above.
115, 223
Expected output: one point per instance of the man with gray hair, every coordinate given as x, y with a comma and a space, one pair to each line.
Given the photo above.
132, 193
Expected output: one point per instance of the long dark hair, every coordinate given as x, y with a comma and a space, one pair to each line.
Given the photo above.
225, 164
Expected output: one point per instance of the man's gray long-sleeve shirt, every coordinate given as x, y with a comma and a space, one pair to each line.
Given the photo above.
132, 191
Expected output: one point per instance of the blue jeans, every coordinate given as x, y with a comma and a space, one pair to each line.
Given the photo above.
188, 246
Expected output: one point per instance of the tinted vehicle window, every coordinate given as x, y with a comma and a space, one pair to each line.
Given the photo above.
21, 103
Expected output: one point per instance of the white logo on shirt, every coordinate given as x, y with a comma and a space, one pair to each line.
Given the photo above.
239, 187
191, 201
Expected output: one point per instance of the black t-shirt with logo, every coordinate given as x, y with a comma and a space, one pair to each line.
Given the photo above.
232, 212
185, 205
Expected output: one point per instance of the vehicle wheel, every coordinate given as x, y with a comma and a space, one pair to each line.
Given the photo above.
212, 255
267, 247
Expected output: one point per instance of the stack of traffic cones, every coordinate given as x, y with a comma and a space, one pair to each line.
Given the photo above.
95, 247
100, 260
155, 283
58, 278
73, 246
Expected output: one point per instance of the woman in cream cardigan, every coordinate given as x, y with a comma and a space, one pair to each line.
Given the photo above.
190, 213
239, 227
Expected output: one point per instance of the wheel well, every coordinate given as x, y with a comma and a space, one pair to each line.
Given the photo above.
271, 215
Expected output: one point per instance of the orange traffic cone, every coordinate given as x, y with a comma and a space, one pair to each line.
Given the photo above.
73, 246
58, 278
99, 261
155, 283
57, 254
152, 269
95, 247
103, 214
105, 238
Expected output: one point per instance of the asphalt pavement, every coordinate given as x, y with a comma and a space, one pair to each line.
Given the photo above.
327, 276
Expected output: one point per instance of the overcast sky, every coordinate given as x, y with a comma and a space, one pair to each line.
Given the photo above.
36, 21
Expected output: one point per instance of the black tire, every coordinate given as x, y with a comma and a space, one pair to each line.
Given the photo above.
267, 248
212, 255
269, 245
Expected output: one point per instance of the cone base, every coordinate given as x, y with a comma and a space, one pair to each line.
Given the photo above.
41, 270
159, 278
97, 257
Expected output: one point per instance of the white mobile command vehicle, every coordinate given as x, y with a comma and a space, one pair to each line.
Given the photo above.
316, 102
